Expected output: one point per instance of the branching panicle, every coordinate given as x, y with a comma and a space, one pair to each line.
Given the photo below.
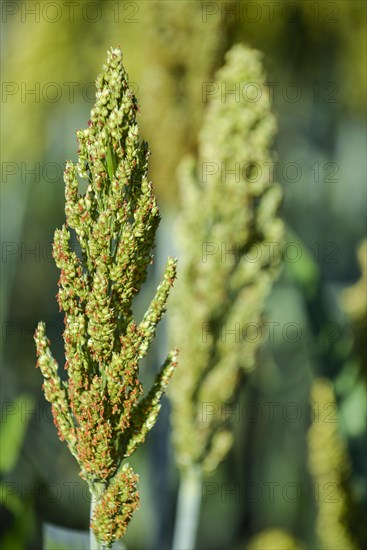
229, 219
99, 411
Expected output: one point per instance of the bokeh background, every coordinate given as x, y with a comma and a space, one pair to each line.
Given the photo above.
314, 54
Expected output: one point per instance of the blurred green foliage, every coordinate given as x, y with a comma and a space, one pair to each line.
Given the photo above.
12, 431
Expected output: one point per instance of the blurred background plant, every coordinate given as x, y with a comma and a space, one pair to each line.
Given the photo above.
314, 53
330, 469
218, 290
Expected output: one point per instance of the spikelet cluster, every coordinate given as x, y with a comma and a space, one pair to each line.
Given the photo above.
274, 539
329, 467
226, 226
100, 411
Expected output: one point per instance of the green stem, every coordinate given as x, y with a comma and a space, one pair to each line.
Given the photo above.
188, 509
96, 495
94, 545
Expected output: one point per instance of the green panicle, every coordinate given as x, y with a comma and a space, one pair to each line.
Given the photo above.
100, 411
229, 218
274, 539
330, 467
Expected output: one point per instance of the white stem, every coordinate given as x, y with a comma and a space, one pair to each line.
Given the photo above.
188, 509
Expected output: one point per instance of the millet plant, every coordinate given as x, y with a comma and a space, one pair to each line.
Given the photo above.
229, 217
330, 468
100, 411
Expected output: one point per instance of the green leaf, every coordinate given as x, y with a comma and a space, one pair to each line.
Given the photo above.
15, 418
111, 163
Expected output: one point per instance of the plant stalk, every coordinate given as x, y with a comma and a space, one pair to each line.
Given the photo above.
93, 542
188, 509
